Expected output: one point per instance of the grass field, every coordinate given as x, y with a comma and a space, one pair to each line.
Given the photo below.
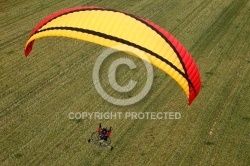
38, 93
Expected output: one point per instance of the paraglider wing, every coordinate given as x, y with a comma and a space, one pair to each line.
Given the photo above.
112, 28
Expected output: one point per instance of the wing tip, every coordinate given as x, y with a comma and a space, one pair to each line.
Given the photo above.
190, 100
28, 48
193, 94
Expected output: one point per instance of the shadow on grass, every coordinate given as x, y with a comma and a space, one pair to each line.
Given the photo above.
246, 118
209, 73
209, 143
18, 155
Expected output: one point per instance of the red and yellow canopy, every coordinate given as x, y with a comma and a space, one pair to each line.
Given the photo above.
123, 31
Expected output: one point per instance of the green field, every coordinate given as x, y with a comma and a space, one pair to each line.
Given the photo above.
37, 93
